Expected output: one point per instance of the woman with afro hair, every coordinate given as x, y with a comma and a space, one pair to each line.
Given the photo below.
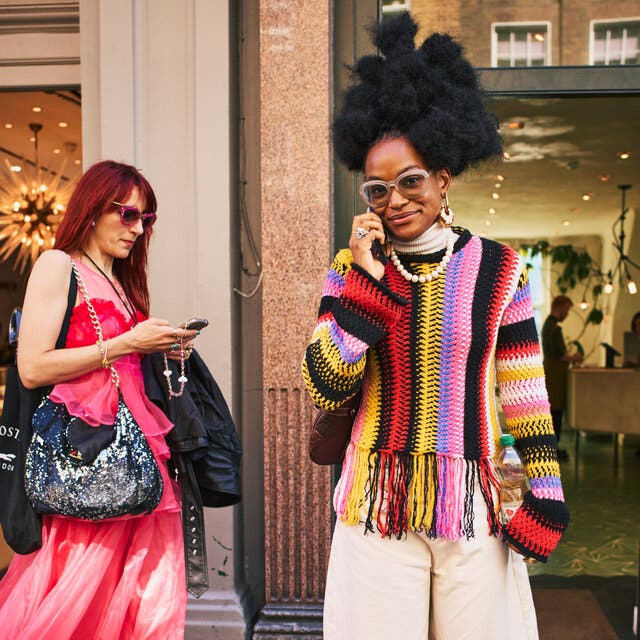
420, 319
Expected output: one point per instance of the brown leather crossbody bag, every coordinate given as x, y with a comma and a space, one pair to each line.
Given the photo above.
331, 432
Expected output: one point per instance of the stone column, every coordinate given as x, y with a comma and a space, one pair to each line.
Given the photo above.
296, 180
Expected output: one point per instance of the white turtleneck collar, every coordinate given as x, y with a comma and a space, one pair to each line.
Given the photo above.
432, 240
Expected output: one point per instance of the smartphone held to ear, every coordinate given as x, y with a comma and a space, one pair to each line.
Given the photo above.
196, 324
376, 246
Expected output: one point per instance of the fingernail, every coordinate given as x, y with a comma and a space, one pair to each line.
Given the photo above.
197, 333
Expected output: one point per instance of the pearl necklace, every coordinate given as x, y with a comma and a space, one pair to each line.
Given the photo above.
412, 277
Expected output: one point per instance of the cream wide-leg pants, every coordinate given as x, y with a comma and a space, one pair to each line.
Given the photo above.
422, 589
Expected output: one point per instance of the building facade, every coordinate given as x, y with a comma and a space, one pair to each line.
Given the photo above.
226, 106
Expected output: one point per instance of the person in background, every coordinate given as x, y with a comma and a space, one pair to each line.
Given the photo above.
556, 362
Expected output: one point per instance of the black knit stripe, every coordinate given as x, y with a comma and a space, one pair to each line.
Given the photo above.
518, 333
357, 322
492, 266
394, 356
334, 389
532, 442
418, 384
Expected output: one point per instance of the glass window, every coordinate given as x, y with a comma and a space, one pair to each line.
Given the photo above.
615, 42
538, 289
389, 8
520, 45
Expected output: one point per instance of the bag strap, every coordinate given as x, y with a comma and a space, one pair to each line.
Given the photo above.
94, 317
71, 303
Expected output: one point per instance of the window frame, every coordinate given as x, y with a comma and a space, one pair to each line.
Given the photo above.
592, 38
533, 24
405, 5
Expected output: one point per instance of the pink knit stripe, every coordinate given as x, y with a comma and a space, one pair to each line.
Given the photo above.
450, 497
533, 408
461, 344
517, 312
343, 486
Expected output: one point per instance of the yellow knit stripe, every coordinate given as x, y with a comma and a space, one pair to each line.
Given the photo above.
520, 373
543, 468
357, 493
373, 406
540, 425
428, 343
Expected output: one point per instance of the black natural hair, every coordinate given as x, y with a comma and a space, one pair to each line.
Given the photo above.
429, 95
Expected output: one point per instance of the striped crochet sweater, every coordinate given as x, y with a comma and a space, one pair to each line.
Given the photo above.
426, 358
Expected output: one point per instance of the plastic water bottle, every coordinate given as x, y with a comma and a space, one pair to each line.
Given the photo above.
513, 480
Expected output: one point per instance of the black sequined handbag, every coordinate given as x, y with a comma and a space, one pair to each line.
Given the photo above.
91, 473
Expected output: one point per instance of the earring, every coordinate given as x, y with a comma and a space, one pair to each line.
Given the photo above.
446, 214
93, 224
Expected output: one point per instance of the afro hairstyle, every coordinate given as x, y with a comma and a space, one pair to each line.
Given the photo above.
430, 95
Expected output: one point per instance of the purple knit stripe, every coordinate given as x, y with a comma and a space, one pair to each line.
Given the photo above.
351, 348
333, 284
456, 330
547, 487
447, 363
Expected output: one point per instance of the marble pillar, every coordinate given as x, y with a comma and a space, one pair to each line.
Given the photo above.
296, 181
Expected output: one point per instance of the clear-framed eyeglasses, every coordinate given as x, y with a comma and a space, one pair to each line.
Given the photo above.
413, 183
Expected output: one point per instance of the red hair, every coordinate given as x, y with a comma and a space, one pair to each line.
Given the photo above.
100, 185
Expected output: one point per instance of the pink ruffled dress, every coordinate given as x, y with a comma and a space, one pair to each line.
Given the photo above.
122, 578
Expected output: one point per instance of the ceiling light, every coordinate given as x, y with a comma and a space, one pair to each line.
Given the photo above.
499, 178
32, 139
488, 223
30, 215
497, 185
631, 287
586, 196
604, 177
565, 223
8, 125
583, 305
495, 196
16, 168
608, 288
76, 161
506, 155
63, 125
56, 150
538, 37
492, 211
36, 109
624, 155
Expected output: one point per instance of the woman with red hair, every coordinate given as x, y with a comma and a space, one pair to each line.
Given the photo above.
119, 577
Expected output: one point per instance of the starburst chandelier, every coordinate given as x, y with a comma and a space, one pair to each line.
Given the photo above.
31, 211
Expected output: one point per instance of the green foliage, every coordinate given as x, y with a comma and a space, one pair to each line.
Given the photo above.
576, 267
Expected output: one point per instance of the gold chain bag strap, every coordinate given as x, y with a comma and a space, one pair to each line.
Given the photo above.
121, 478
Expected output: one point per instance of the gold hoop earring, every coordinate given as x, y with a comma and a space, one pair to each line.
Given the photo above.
446, 214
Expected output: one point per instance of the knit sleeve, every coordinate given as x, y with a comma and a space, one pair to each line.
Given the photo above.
356, 312
537, 526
